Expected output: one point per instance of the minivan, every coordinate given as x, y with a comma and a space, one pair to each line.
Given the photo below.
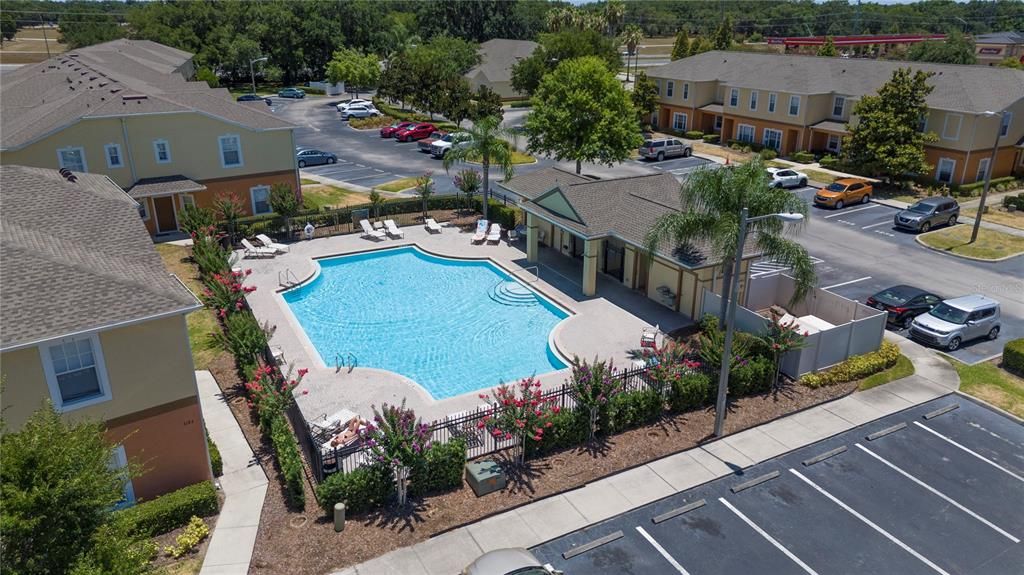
665, 148
928, 213
957, 320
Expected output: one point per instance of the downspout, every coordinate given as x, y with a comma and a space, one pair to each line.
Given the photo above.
128, 150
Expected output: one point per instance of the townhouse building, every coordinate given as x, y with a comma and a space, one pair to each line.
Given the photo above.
791, 103
128, 109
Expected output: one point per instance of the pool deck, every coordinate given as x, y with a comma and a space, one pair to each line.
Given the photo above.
605, 325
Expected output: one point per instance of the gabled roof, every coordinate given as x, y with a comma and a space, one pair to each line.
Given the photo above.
497, 57
118, 78
961, 88
75, 256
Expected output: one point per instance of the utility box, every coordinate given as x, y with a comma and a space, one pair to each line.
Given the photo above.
485, 477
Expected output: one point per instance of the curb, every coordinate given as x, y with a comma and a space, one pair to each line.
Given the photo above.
917, 239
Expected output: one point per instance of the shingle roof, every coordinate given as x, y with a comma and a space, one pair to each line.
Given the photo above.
957, 87
116, 78
75, 256
497, 57
1000, 38
163, 186
831, 126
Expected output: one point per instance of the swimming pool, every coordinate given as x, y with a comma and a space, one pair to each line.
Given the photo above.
452, 326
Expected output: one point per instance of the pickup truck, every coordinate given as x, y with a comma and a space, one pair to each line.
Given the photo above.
440, 148
424, 145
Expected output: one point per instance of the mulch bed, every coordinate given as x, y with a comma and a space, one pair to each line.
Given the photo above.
170, 538
292, 542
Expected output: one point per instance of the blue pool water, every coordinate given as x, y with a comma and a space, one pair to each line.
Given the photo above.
452, 326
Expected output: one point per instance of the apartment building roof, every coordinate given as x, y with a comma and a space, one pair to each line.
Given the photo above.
113, 79
74, 257
961, 88
497, 57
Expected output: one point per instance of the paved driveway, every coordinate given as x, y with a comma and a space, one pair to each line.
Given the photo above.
921, 491
678, 167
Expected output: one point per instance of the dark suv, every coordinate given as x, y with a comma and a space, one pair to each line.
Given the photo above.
928, 213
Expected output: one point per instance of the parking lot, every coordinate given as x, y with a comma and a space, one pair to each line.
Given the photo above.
678, 167
938, 488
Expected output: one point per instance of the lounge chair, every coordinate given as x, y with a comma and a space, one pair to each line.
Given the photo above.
649, 337
369, 232
252, 251
392, 229
432, 225
481, 231
269, 243
513, 235
495, 234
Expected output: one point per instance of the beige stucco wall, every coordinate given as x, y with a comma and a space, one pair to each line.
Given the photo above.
662, 274
148, 364
90, 135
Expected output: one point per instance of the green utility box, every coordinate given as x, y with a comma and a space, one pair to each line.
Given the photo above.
485, 477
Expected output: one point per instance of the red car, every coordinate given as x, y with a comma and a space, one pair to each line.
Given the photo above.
389, 131
414, 132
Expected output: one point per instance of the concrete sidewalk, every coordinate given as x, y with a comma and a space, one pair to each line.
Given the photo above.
557, 515
244, 485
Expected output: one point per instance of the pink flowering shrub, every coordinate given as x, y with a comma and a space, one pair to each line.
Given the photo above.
225, 293
398, 440
594, 386
522, 412
271, 393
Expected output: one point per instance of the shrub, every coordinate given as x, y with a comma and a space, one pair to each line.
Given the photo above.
225, 293
215, 460
693, 134
747, 146
751, 376
194, 220
171, 511
507, 216
520, 104
442, 470
522, 412
568, 429
370, 123
829, 162
856, 367
635, 408
803, 157
113, 551
209, 254
243, 337
970, 189
1016, 201
1013, 356
361, 489
194, 533
290, 462
768, 154
594, 386
398, 440
711, 138
690, 392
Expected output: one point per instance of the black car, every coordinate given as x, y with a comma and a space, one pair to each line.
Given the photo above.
903, 303
253, 98
304, 157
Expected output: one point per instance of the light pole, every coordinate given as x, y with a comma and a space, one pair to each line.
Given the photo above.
252, 75
988, 172
730, 312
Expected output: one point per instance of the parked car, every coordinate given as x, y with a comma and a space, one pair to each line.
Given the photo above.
353, 102
307, 157
662, 148
424, 144
843, 192
903, 303
389, 131
359, 112
928, 213
414, 132
440, 148
957, 320
254, 98
786, 178
292, 93
511, 561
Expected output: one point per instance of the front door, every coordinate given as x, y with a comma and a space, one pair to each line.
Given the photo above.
166, 219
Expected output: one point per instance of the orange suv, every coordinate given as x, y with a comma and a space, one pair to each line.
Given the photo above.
843, 192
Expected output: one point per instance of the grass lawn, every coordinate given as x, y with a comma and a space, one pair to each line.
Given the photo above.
327, 196
818, 176
990, 244
190, 566
997, 216
307, 181
517, 158
989, 382
397, 185
903, 368
201, 323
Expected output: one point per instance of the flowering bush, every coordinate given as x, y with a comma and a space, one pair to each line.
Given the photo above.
399, 440
594, 386
194, 533
225, 293
781, 338
270, 393
208, 252
522, 413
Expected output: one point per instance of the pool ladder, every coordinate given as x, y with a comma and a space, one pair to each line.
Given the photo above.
341, 358
287, 277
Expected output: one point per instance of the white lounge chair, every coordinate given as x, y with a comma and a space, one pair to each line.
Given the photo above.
432, 225
495, 234
369, 232
481, 231
269, 243
392, 229
252, 251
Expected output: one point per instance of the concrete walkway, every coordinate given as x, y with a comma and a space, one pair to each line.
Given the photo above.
244, 485
557, 515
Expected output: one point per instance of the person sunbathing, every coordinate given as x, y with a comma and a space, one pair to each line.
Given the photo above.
349, 433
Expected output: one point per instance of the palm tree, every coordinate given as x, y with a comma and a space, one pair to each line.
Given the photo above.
711, 203
614, 11
488, 143
631, 37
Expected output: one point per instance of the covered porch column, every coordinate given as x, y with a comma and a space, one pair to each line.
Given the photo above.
591, 251
532, 239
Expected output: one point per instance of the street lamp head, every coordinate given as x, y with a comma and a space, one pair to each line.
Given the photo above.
790, 216
990, 113
261, 59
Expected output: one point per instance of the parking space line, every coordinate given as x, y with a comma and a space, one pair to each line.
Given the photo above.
886, 222
848, 283
661, 550
848, 212
978, 455
945, 497
868, 522
769, 538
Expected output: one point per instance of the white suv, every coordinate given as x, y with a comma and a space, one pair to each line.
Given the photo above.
786, 178
353, 102
361, 111
439, 148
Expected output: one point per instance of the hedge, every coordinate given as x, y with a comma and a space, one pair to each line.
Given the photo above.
711, 138
568, 429
288, 459
803, 157
754, 146
170, 511
829, 162
634, 408
1016, 201
768, 154
520, 104
979, 185
690, 392
215, 459
693, 135
856, 367
1013, 356
443, 468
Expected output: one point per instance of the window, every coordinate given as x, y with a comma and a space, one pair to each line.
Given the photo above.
734, 97
718, 123
187, 201
771, 102
113, 153
686, 91
982, 169
833, 144
230, 151
794, 105
745, 133
944, 173
144, 209
1004, 124
119, 460
72, 159
75, 372
772, 139
753, 99
670, 88
837, 106
260, 200
679, 121
162, 151
951, 127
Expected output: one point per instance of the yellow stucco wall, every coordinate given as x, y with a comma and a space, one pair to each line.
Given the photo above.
662, 274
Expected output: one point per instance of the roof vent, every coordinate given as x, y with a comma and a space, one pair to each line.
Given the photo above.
102, 84
68, 175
